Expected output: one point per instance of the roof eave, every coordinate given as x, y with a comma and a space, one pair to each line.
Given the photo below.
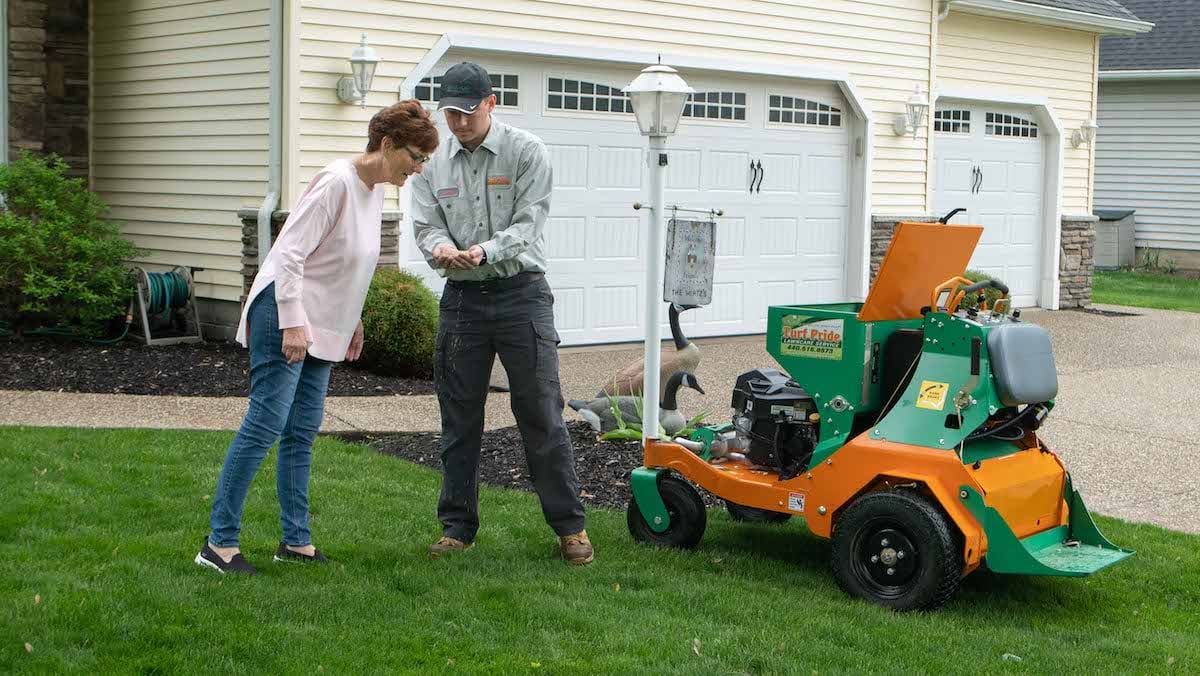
1052, 16
1160, 74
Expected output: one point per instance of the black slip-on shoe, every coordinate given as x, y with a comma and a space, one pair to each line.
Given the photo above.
285, 555
210, 559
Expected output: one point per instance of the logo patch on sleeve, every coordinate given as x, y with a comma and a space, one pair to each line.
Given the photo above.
446, 193
498, 180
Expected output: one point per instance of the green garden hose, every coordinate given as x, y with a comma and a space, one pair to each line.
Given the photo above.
164, 290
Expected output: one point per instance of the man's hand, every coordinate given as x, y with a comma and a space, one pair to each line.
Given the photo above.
356, 343
295, 344
476, 254
446, 256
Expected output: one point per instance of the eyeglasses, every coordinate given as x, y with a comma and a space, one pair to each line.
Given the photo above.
417, 157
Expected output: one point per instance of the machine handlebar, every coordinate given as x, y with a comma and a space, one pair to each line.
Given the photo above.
953, 293
987, 283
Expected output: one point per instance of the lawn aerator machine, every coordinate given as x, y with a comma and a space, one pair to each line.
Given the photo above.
904, 430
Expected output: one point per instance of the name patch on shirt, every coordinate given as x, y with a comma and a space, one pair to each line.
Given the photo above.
446, 193
498, 180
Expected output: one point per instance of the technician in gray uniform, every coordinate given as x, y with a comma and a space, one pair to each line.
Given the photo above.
479, 209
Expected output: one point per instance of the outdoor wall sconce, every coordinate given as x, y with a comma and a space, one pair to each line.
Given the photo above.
914, 114
1085, 134
362, 63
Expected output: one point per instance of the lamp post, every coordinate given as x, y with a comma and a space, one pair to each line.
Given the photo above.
658, 95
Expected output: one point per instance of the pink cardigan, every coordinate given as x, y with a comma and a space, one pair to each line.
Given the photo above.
323, 261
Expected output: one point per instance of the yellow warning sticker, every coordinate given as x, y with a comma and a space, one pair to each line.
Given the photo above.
932, 395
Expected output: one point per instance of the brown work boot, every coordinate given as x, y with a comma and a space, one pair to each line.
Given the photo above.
576, 549
447, 544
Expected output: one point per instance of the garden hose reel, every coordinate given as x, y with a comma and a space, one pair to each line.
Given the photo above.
170, 295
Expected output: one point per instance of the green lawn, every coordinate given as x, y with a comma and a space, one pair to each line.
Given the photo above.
1146, 289
98, 530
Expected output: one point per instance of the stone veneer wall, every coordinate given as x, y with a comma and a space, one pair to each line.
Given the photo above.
1076, 264
48, 79
389, 242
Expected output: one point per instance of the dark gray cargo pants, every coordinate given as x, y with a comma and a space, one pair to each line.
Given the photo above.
513, 318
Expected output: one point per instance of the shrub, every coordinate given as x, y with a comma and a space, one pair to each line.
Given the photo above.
60, 262
400, 320
992, 295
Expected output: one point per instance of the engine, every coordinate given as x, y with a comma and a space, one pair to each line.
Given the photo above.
775, 421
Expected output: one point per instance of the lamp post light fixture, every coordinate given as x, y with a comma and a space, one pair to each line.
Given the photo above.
914, 114
1085, 134
658, 95
362, 63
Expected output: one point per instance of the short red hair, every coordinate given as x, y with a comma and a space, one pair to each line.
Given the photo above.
406, 123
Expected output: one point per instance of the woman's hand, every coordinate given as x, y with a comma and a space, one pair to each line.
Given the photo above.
356, 343
295, 344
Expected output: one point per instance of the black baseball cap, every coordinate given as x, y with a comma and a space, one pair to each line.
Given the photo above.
464, 87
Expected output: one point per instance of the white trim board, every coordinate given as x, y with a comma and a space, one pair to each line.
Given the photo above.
1168, 74
1052, 16
862, 140
1052, 175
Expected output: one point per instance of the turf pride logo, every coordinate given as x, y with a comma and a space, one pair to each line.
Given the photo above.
803, 337
932, 395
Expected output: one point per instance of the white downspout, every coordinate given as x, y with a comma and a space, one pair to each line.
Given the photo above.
943, 9
274, 147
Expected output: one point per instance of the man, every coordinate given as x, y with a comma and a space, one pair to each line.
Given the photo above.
479, 211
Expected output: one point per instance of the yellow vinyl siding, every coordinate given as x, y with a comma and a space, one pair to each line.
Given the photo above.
883, 46
179, 128
1004, 56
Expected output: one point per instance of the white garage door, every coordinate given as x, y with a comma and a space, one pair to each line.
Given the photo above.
989, 161
770, 152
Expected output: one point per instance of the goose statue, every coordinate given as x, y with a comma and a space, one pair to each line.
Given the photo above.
599, 411
685, 357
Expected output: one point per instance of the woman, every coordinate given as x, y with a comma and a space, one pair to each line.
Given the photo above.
304, 313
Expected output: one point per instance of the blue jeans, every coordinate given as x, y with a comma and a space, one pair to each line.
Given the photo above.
287, 403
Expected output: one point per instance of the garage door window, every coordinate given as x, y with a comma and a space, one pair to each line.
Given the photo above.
1003, 124
567, 94
716, 106
504, 85
794, 110
952, 121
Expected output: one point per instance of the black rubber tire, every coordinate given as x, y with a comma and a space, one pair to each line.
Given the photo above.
685, 509
924, 579
754, 514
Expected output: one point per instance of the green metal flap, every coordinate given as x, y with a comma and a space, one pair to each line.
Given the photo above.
1073, 551
643, 482
1078, 559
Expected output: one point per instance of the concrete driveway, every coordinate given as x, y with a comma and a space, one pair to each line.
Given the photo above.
1125, 424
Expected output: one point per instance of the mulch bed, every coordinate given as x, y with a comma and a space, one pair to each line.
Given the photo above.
603, 467
212, 369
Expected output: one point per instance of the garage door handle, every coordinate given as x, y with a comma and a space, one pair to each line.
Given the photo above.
753, 175
761, 173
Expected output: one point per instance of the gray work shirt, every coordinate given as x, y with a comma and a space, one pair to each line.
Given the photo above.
497, 197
